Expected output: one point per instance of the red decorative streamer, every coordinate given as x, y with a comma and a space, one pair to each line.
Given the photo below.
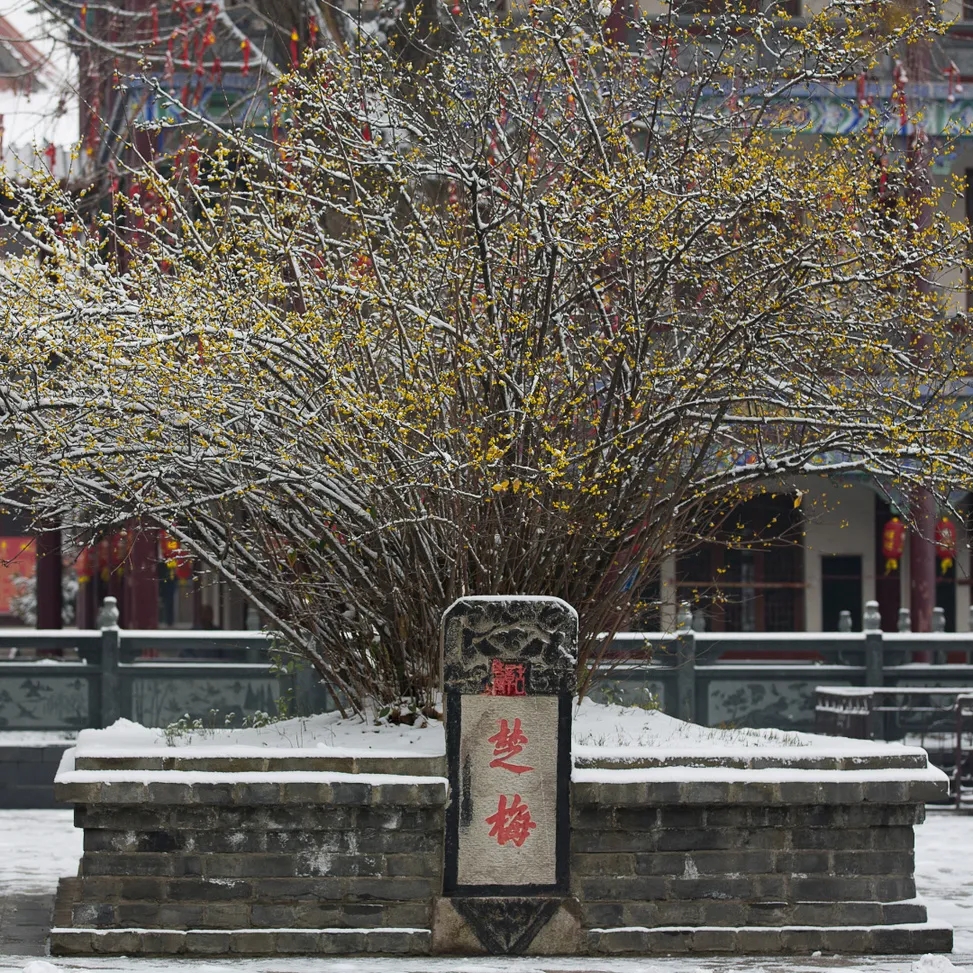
953, 84
900, 79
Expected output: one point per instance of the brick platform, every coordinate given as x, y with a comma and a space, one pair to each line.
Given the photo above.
187, 856
771, 859
313, 862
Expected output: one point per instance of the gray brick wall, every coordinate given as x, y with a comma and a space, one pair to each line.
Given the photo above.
368, 855
733, 864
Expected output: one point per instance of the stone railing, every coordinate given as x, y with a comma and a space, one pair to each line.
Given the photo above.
70, 679
770, 679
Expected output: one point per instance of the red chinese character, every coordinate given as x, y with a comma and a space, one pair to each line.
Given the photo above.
508, 743
511, 823
507, 679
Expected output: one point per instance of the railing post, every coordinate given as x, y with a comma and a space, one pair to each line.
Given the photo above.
685, 667
870, 719
874, 665
938, 628
110, 645
874, 660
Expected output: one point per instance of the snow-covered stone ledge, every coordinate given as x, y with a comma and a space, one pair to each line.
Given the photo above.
691, 839
690, 785
327, 836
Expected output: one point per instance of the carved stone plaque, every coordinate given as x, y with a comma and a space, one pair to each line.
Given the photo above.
509, 677
507, 790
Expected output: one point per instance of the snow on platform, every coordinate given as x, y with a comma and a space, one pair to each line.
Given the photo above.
603, 731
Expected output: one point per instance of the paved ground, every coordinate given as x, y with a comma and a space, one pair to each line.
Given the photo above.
25, 919
36, 847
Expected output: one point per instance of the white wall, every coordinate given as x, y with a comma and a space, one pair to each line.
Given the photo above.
839, 519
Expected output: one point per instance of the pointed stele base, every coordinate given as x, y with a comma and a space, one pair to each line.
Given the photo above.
507, 925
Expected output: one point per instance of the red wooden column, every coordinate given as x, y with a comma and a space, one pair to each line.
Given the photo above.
140, 604
922, 563
48, 578
86, 610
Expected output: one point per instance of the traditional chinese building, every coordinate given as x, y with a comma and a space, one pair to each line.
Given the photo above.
792, 559
810, 548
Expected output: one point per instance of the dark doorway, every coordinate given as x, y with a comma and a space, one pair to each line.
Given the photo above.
946, 596
841, 590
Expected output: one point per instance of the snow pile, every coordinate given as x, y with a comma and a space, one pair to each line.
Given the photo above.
605, 732
327, 735
934, 963
604, 726
41, 966
626, 732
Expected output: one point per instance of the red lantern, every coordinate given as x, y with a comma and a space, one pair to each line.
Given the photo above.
167, 545
178, 561
893, 543
295, 52
104, 559
945, 543
84, 566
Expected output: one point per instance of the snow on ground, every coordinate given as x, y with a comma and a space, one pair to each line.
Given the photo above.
944, 874
37, 847
36, 738
925, 964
